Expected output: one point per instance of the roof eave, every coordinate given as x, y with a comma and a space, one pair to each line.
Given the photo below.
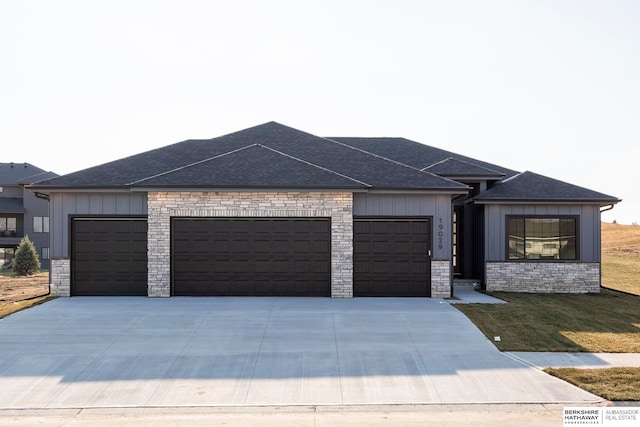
450, 191
472, 177
77, 189
229, 188
514, 201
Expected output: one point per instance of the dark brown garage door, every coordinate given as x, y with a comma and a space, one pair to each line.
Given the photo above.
109, 256
251, 256
391, 257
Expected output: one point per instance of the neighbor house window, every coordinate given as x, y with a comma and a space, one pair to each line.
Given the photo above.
8, 227
44, 252
6, 256
40, 224
542, 238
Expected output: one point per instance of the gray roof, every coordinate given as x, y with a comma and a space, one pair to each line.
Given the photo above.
11, 205
413, 153
254, 166
314, 152
37, 178
459, 168
531, 187
272, 155
13, 173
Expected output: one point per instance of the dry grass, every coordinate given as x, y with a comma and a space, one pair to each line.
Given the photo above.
609, 383
20, 292
17, 288
605, 322
13, 307
621, 257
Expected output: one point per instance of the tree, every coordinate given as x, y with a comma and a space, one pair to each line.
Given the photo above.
25, 260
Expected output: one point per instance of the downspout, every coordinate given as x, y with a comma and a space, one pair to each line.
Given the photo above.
607, 208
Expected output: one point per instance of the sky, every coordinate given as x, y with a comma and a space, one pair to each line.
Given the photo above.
547, 86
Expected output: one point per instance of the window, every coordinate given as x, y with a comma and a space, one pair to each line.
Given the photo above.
6, 256
44, 253
8, 227
542, 238
40, 224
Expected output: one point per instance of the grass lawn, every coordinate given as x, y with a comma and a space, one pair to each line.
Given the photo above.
621, 272
605, 322
610, 383
621, 257
13, 307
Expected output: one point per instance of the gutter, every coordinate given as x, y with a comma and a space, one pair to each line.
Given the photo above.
608, 208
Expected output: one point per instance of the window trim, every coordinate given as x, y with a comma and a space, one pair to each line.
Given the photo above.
525, 217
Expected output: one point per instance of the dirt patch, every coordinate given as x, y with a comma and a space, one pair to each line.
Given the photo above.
19, 288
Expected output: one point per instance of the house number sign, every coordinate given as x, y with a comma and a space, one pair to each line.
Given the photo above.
440, 234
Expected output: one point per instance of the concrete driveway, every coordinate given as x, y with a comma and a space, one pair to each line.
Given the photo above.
112, 352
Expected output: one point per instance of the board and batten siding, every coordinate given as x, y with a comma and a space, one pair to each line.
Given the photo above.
65, 205
438, 207
588, 233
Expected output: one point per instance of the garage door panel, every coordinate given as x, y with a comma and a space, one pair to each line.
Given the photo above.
255, 256
391, 257
109, 256
321, 247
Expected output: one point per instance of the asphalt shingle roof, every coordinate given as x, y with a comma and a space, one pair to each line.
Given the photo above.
11, 205
254, 166
414, 153
460, 168
342, 159
272, 155
530, 186
12, 173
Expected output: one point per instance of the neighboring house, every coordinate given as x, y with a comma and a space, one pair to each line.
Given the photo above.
272, 210
22, 212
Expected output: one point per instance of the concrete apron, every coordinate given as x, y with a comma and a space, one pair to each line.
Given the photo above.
137, 352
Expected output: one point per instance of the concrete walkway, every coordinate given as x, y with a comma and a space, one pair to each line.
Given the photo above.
141, 352
466, 294
543, 360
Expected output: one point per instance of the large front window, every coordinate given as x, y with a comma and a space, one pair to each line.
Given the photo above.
542, 238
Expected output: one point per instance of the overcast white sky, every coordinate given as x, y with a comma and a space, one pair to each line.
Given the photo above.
547, 86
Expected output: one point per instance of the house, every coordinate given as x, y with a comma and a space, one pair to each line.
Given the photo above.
22, 212
272, 210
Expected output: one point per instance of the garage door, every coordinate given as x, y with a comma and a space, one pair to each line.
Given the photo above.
391, 257
251, 256
109, 256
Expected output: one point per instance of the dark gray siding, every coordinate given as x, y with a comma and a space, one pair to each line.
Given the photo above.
437, 207
64, 205
36, 207
589, 232
11, 191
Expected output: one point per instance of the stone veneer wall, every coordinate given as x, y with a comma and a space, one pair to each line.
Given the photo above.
60, 277
164, 205
543, 277
440, 279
